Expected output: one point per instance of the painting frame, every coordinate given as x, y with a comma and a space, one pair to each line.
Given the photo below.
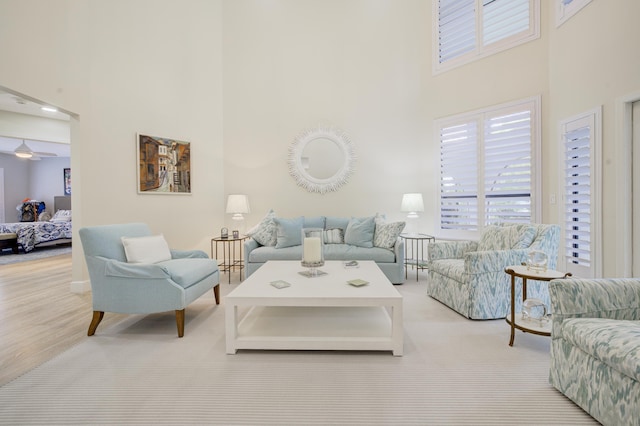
163, 165
66, 181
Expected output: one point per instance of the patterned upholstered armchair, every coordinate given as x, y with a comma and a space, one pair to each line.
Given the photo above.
595, 346
469, 277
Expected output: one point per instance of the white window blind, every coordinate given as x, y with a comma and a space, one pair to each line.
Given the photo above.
466, 30
459, 176
507, 165
486, 168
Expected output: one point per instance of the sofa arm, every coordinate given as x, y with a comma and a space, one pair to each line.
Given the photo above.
614, 298
478, 262
450, 249
249, 245
188, 254
115, 268
398, 250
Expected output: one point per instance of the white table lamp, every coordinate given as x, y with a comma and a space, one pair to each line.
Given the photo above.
412, 204
237, 205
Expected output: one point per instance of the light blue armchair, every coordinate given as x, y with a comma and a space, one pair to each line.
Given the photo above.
469, 277
143, 288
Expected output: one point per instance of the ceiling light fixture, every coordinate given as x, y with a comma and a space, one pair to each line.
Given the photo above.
49, 109
23, 151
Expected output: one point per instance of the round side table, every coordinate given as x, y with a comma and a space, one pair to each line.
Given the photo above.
524, 272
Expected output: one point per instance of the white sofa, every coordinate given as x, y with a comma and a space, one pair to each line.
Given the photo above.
368, 238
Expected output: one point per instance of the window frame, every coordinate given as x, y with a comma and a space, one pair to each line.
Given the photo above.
594, 118
480, 51
533, 104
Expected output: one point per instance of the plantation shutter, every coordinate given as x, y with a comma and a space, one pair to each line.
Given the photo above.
459, 176
577, 188
457, 28
503, 18
507, 167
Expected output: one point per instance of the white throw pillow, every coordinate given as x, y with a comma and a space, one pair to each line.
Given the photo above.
151, 249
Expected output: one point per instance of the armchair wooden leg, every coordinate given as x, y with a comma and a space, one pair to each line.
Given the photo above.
180, 322
97, 317
216, 293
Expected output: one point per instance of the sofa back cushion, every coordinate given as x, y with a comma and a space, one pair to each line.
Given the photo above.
507, 237
314, 222
333, 222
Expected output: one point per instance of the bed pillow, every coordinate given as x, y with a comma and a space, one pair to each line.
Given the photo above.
151, 249
265, 231
62, 216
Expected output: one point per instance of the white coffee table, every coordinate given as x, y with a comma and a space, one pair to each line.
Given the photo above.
320, 313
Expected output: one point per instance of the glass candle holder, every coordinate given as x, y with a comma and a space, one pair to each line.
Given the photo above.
537, 261
312, 250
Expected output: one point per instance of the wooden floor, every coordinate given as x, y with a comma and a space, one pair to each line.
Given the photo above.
39, 316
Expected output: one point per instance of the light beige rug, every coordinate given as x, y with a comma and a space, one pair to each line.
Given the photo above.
454, 371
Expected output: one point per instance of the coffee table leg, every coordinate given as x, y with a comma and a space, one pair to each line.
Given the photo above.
231, 328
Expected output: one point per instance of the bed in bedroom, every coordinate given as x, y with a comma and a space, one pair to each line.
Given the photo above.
32, 234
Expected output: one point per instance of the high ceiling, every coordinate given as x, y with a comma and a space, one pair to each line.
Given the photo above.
10, 101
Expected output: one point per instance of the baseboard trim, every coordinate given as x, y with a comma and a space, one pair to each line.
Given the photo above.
80, 286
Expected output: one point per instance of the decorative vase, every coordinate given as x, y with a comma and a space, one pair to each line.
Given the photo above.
312, 251
534, 310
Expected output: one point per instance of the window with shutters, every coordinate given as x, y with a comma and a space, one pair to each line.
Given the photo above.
488, 168
581, 146
565, 9
466, 30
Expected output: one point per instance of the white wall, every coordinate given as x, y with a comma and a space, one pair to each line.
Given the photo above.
270, 70
361, 66
593, 60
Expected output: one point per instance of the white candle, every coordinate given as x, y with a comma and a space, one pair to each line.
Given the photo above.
311, 250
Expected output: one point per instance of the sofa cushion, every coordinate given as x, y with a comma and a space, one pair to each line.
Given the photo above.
386, 234
314, 222
360, 232
265, 231
451, 268
506, 237
333, 222
288, 231
331, 252
189, 271
614, 342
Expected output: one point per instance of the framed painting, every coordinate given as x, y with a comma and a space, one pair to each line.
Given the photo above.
66, 179
164, 165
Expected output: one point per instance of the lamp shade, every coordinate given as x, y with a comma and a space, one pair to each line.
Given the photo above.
238, 204
412, 204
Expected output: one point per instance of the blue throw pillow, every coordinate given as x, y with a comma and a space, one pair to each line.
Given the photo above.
360, 232
288, 232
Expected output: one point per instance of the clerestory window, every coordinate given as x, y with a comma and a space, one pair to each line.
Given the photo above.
466, 30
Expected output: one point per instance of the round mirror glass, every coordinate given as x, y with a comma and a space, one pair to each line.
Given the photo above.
321, 159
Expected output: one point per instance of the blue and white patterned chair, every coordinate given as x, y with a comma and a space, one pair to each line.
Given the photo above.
595, 346
469, 277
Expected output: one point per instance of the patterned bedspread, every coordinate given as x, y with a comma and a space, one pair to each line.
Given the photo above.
30, 234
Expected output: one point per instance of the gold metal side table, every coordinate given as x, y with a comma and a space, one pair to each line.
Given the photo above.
416, 242
229, 261
525, 273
